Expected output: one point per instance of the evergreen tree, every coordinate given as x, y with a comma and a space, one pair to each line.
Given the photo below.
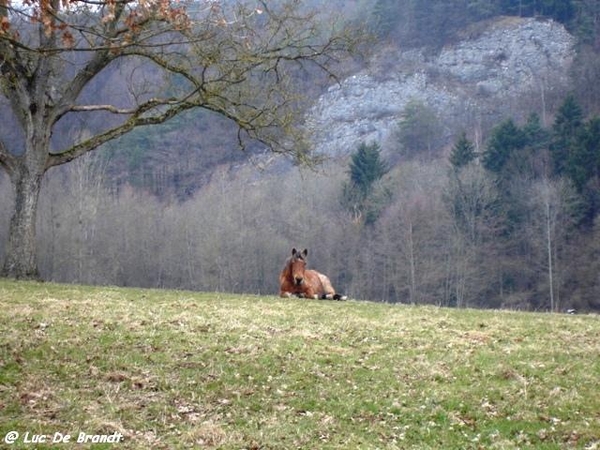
583, 167
583, 162
419, 130
504, 140
559, 10
567, 124
463, 152
562, 11
505, 157
362, 196
533, 159
585, 24
366, 167
517, 7
482, 9
534, 134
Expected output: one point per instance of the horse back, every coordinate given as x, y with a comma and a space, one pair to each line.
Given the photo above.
326, 286
321, 285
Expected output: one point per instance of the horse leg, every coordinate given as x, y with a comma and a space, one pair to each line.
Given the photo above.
333, 297
287, 294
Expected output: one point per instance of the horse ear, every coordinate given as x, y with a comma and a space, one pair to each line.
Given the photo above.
305, 252
294, 251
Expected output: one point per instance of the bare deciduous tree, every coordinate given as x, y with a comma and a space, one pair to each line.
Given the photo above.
553, 205
469, 198
236, 60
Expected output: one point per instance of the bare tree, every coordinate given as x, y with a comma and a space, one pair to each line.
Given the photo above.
412, 233
553, 206
236, 60
469, 196
69, 209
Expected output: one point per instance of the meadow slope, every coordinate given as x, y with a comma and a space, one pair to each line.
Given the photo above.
173, 369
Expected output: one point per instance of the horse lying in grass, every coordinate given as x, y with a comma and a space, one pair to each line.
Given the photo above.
296, 280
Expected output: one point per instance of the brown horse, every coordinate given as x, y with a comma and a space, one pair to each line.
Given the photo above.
296, 280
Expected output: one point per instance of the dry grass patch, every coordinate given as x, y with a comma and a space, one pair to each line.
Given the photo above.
170, 369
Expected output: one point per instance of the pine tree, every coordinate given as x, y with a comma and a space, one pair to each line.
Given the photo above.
419, 130
463, 152
505, 139
361, 195
366, 167
583, 162
583, 167
534, 134
567, 124
533, 159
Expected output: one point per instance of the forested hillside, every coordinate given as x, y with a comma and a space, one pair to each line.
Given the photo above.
498, 210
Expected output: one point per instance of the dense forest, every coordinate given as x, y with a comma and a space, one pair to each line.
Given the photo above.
511, 223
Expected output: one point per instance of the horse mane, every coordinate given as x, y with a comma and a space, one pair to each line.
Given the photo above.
287, 267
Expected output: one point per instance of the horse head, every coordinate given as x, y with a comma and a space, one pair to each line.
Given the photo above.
298, 266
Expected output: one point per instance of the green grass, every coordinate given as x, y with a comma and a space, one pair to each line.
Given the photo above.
170, 369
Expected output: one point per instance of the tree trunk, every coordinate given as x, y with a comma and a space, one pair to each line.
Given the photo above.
549, 252
411, 255
21, 257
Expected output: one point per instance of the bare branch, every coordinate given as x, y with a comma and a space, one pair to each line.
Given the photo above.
137, 120
7, 160
237, 63
109, 108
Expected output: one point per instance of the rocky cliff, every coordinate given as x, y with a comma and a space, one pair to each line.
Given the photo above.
510, 66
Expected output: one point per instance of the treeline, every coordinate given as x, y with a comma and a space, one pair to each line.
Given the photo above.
436, 22
233, 235
543, 208
514, 225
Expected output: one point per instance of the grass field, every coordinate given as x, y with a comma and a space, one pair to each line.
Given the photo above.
169, 369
